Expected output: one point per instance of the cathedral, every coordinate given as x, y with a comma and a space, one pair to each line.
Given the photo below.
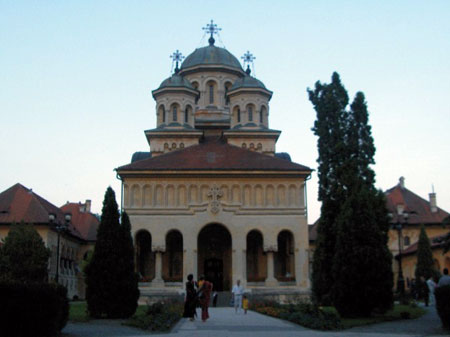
212, 197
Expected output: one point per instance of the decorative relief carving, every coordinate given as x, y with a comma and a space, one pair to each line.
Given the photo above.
215, 193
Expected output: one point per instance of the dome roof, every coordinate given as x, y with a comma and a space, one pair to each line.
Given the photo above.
211, 55
248, 82
176, 81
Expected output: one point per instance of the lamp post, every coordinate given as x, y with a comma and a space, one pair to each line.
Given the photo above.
399, 226
59, 228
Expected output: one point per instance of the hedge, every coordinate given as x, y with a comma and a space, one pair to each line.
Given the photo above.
33, 309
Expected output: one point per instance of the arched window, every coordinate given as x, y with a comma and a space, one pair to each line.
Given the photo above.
174, 111
261, 115
211, 93
250, 113
238, 115
162, 113
227, 88
187, 112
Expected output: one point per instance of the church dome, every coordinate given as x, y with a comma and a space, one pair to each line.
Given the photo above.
211, 55
248, 82
176, 81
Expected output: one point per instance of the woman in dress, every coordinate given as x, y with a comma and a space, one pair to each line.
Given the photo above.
191, 299
204, 297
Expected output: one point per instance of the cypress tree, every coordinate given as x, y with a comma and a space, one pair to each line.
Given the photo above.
352, 250
424, 256
110, 279
329, 101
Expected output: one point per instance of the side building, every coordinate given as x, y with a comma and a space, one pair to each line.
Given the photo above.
75, 225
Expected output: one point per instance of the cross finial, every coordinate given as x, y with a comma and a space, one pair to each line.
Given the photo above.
176, 57
211, 28
248, 58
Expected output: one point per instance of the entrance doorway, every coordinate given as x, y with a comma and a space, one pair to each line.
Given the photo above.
214, 256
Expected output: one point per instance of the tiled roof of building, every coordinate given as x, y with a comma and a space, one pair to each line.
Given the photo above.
85, 222
412, 203
312, 231
214, 155
19, 203
436, 242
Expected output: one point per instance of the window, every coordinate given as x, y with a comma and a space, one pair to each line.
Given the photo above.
261, 115
211, 94
238, 115
406, 241
186, 115
163, 113
250, 113
174, 113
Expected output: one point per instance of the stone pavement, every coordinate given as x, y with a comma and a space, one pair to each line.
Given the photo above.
225, 323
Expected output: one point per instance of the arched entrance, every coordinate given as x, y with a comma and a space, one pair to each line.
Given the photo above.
214, 256
256, 259
173, 257
284, 257
145, 258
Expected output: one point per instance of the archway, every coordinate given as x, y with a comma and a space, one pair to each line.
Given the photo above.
214, 256
173, 257
284, 258
145, 258
256, 259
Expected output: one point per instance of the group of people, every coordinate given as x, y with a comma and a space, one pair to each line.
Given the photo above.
424, 289
197, 294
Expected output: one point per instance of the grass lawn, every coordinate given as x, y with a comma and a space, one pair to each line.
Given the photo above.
78, 312
391, 315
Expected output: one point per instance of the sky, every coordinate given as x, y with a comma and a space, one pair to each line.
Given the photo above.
76, 80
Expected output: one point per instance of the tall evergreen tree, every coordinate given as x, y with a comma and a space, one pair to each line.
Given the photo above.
330, 102
110, 278
352, 233
24, 257
424, 256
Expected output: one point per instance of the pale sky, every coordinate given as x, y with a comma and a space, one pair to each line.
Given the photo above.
76, 80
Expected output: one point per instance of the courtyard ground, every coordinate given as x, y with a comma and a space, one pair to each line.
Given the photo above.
225, 323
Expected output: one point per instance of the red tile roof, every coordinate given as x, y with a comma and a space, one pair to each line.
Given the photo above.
214, 155
436, 242
19, 203
420, 208
85, 222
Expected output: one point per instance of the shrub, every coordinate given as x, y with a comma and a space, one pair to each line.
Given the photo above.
158, 316
442, 295
33, 309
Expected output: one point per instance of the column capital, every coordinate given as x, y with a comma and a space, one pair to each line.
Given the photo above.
159, 249
270, 248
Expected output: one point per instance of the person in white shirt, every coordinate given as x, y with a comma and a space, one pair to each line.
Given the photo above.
431, 286
237, 292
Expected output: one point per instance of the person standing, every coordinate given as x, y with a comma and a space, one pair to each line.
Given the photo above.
445, 279
431, 286
237, 292
190, 303
245, 304
204, 295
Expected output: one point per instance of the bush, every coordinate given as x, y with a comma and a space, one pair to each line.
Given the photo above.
33, 309
158, 316
442, 295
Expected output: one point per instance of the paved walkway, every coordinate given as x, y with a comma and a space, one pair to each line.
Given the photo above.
225, 323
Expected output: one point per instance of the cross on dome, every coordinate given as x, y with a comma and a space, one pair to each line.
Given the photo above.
176, 57
211, 28
248, 58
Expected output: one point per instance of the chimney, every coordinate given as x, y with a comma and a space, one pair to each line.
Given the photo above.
401, 182
433, 203
88, 206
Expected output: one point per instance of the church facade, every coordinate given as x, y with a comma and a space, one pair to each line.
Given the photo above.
212, 197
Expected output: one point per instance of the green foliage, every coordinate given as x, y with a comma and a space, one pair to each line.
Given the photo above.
157, 317
112, 285
32, 309
442, 295
424, 266
78, 312
352, 263
23, 257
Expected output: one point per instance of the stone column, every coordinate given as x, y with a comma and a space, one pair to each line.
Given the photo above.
271, 281
158, 281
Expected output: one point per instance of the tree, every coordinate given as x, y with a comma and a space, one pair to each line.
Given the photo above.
329, 101
353, 253
23, 257
424, 266
112, 288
